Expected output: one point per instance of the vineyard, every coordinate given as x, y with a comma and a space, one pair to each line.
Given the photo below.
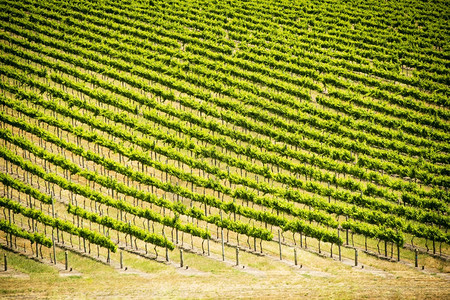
306, 134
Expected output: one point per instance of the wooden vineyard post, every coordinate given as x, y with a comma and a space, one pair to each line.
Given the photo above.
10, 235
57, 229
131, 238
54, 248
53, 207
295, 256
221, 236
207, 240
416, 258
108, 258
339, 246
346, 236
237, 256
207, 244
6, 262
181, 258
121, 260
167, 250
279, 243
398, 252
356, 257
66, 256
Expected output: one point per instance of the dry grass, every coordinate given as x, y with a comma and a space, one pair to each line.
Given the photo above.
320, 278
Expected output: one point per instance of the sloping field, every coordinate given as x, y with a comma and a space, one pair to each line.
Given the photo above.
223, 149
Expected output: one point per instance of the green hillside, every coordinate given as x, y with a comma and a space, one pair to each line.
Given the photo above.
308, 138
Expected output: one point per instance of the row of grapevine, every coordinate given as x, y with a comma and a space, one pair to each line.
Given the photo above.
256, 119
